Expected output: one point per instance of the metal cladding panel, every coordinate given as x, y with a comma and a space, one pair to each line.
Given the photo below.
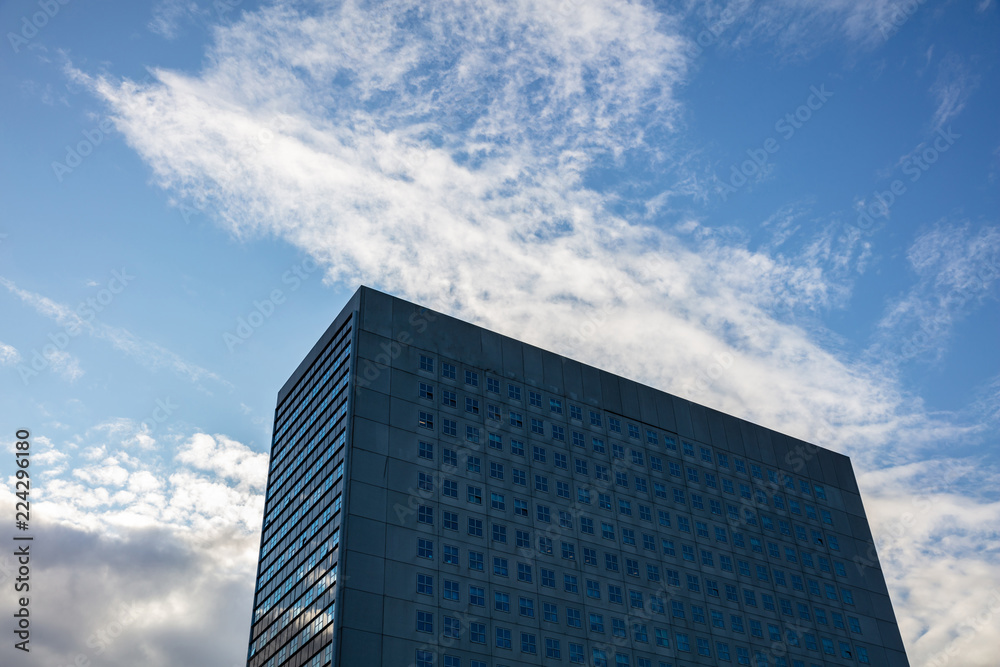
533, 372
699, 422
573, 379
682, 413
665, 411
552, 373
492, 352
647, 404
717, 429
610, 393
630, 399
592, 386
513, 358
376, 312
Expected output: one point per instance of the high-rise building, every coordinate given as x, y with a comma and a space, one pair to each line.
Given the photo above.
442, 495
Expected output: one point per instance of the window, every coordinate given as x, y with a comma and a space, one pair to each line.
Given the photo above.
450, 590
425, 584
449, 398
475, 527
448, 371
474, 494
424, 659
500, 533
426, 390
426, 451
477, 633
503, 638
598, 445
518, 477
514, 392
425, 481
537, 426
573, 617
472, 378
501, 601
450, 554
552, 648
516, 419
497, 501
596, 623
425, 621
548, 577
452, 630
426, 364
425, 548
449, 488
425, 514
449, 457
614, 425
449, 427
516, 447
535, 399
575, 412
477, 596
527, 643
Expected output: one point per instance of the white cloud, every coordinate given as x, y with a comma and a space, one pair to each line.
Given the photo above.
228, 459
940, 553
8, 354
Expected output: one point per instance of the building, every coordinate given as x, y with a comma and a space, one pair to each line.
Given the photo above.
443, 495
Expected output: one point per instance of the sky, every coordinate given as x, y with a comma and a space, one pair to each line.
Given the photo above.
787, 211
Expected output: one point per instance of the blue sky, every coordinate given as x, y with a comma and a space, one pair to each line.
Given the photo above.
787, 211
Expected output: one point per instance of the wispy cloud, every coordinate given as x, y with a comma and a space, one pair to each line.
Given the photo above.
480, 207
147, 353
958, 270
168, 15
955, 82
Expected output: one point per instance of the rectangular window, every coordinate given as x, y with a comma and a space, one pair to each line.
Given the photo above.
514, 392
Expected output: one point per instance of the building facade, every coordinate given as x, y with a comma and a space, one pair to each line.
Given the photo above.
442, 495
